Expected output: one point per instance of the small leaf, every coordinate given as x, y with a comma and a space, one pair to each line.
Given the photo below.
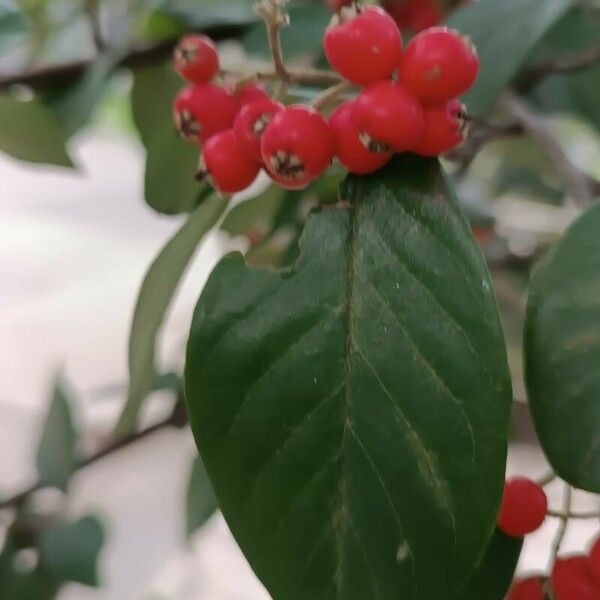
30, 132
352, 409
495, 573
171, 163
562, 353
201, 501
56, 454
156, 293
504, 33
70, 550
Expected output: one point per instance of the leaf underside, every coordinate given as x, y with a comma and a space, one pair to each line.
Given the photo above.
352, 410
562, 353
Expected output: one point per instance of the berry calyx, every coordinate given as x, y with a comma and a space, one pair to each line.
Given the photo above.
595, 560
527, 589
349, 150
445, 128
524, 507
196, 59
297, 146
251, 122
572, 579
438, 65
388, 117
225, 164
201, 110
363, 44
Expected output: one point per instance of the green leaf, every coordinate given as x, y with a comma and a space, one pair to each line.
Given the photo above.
562, 352
203, 14
29, 131
156, 293
56, 454
352, 410
201, 500
70, 550
12, 24
75, 105
495, 573
170, 187
578, 92
504, 33
22, 585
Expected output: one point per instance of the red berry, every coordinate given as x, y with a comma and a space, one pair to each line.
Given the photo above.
196, 58
527, 589
438, 65
251, 122
202, 110
524, 507
414, 14
363, 44
348, 148
390, 115
297, 146
572, 579
595, 560
225, 164
250, 93
445, 128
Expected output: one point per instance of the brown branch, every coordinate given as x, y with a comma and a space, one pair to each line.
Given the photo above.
271, 12
177, 418
531, 76
63, 74
577, 183
331, 94
558, 514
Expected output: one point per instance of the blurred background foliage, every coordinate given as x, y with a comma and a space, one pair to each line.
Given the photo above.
70, 65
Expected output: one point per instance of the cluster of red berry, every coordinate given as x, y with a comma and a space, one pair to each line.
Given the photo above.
408, 104
523, 510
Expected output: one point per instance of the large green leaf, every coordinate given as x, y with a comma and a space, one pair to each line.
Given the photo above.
56, 454
156, 293
170, 187
562, 353
578, 92
201, 501
30, 132
495, 573
70, 550
352, 410
504, 33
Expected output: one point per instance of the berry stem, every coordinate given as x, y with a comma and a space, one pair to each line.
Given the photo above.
546, 479
330, 95
562, 528
574, 515
271, 12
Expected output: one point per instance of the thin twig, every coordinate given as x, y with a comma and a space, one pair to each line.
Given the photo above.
92, 8
547, 479
558, 514
562, 528
576, 182
531, 76
331, 94
177, 418
301, 76
272, 13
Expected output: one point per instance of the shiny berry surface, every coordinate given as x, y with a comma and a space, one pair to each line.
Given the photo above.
250, 93
572, 579
390, 115
225, 164
438, 65
349, 150
595, 560
445, 128
363, 45
201, 110
251, 122
297, 146
524, 507
527, 589
196, 59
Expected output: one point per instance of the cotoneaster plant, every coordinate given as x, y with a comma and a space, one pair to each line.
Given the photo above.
352, 409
